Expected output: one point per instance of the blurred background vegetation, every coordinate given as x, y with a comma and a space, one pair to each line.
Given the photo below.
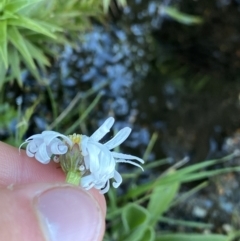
169, 69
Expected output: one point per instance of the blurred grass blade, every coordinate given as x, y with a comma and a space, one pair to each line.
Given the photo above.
15, 6
19, 42
207, 174
52, 27
149, 235
150, 146
112, 200
204, 164
160, 200
106, 4
173, 221
122, 2
70, 4
32, 25
37, 54
7, 15
181, 176
23, 125
188, 194
2, 73
3, 43
2, 4
75, 100
84, 115
181, 17
191, 237
15, 65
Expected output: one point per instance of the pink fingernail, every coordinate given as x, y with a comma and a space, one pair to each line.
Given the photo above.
68, 213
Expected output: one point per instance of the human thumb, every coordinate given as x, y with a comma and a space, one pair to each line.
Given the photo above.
51, 212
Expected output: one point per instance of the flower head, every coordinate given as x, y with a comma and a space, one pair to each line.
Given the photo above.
43, 146
86, 156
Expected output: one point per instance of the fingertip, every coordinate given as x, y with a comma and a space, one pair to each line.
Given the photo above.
51, 212
18, 168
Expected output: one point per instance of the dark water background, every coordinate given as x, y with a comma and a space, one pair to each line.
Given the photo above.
179, 81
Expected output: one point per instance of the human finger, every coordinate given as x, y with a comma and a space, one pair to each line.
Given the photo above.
50, 212
17, 168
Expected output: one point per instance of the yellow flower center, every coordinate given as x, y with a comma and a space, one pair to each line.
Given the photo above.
75, 138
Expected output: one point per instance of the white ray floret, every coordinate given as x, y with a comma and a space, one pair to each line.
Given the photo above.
43, 146
101, 161
98, 162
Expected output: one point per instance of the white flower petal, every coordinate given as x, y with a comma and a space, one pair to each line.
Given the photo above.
126, 156
118, 179
58, 148
121, 136
51, 135
87, 182
84, 143
129, 162
101, 162
46, 144
30, 140
32, 147
107, 163
106, 189
29, 152
41, 158
103, 129
37, 136
42, 154
87, 162
101, 184
93, 152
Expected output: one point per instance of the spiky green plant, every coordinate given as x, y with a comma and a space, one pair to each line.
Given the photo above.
29, 29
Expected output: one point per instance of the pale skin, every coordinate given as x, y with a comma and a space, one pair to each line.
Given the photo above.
20, 177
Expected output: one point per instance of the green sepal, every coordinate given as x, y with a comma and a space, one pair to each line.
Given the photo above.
73, 178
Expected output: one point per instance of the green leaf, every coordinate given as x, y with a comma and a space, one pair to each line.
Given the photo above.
192, 224
149, 235
70, 4
106, 4
19, 42
49, 26
85, 114
2, 73
32, 25
2, 5
122, 2
22, 126
15, 65
3, 43
135, 222
130, 212
161, 199
15, 6
34, 71
176, 176
7, 15
191, 237
37, 54
182, 17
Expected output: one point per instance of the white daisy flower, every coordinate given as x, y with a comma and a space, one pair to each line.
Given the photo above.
93, 161
100, 161
43, 146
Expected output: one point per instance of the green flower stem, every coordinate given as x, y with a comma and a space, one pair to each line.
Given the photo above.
73, 178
